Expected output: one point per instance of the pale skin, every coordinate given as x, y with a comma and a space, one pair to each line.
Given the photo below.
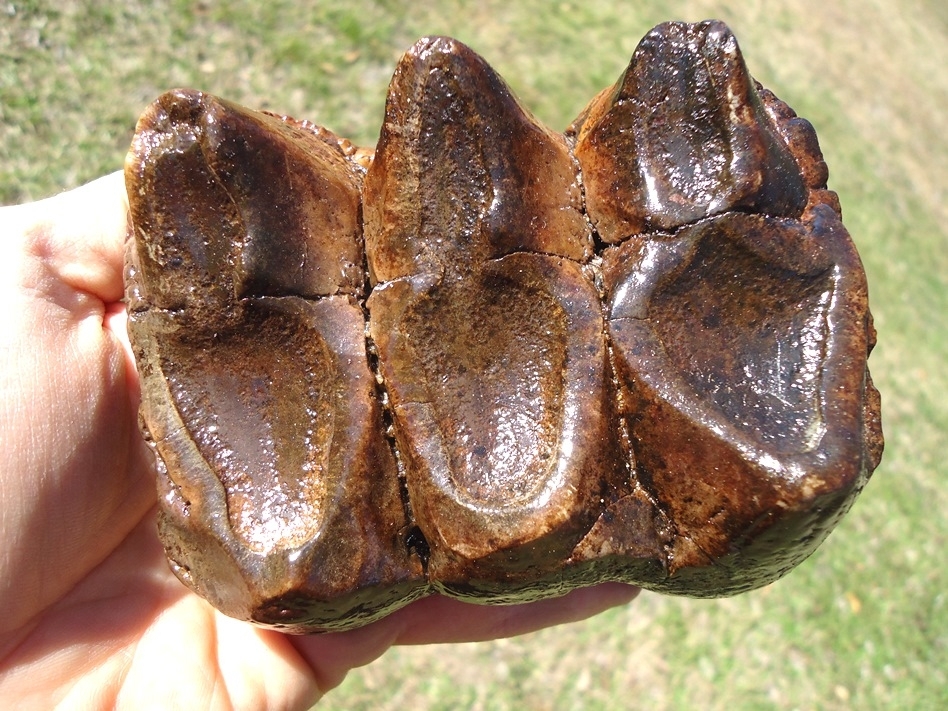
92, 615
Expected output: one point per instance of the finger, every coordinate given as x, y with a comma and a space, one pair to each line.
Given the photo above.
79, 235
77, 475
439, 619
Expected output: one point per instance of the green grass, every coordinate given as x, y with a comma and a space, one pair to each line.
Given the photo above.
864, 623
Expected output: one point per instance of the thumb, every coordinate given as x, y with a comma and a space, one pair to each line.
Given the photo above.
79, 235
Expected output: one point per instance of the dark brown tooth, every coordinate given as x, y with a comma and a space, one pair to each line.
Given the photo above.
473, 396
463, 174
231, 179
280, 496
800, 137
502, 404
682, 136
295, 183
187, 229
741, 354
494, 357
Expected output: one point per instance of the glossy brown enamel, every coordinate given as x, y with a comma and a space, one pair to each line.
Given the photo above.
734, 345
492, 351
280, 495
462, 173
683, 135
495, 361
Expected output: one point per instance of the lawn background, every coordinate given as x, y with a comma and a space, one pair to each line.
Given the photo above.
863, 624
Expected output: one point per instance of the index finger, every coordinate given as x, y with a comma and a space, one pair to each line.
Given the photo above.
438, 620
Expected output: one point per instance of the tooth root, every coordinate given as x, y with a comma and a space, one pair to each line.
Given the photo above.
682, 136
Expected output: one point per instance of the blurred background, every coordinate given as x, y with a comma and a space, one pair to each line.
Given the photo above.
863, 623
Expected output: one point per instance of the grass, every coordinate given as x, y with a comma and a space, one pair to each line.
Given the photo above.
863, 623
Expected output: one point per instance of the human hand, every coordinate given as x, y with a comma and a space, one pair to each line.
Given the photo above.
93, 616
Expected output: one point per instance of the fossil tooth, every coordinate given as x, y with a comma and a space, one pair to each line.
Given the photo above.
740, 348
492, 349
462, 173
681, 136
280, 496
491, 360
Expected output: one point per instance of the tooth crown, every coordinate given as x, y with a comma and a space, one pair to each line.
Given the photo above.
492, 360
683, 135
